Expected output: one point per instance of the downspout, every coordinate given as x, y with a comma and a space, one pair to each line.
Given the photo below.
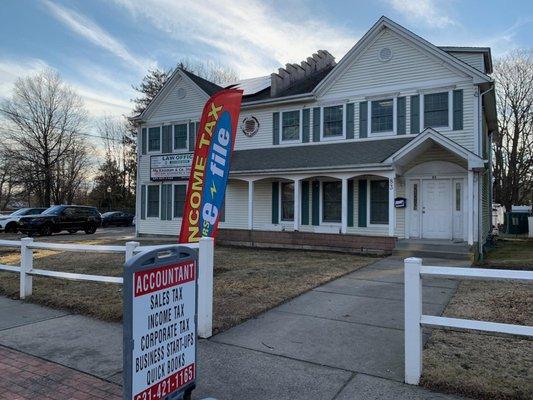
480, 198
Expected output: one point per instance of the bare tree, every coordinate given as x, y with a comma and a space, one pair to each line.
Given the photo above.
513, 145
43, 121
211, 70
7, 179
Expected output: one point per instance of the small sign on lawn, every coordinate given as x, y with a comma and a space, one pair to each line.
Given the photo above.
160, 307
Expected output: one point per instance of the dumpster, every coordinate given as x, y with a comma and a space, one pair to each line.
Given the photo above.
516, 223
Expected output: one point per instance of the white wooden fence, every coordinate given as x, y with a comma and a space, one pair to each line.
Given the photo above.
205, 269
415, 320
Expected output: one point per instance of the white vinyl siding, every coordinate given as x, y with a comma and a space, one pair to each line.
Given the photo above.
473, 59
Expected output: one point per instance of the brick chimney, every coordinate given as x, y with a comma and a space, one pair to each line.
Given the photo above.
293, 73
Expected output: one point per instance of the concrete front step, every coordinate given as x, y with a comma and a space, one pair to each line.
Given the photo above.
433, 248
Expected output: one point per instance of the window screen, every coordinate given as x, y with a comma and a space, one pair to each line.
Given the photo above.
331, 201
379, 202
152, 209
290, 125
179, 200
333, 121
154, 139
382, 115
436, 109
287, 201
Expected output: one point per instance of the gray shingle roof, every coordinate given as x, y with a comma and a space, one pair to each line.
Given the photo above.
316, 156
207, 86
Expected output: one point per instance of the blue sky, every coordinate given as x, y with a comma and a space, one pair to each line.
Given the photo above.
102, 47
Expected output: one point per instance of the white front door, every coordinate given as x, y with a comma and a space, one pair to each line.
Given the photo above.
436, 209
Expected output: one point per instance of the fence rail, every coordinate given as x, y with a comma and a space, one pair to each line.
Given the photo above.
415, 320
27, 272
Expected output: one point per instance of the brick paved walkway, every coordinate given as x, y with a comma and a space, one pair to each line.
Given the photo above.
26, 377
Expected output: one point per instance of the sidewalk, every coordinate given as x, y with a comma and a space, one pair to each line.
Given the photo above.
340, 341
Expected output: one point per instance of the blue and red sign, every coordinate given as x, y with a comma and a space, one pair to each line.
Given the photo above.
210, 166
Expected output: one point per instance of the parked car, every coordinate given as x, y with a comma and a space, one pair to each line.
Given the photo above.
10, 222
62, 218
117, 218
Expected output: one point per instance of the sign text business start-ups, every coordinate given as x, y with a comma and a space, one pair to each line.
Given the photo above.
164, 331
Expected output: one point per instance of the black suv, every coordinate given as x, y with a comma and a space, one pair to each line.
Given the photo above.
62, 218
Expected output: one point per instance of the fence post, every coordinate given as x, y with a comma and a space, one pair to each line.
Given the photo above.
205, 287
130, 249
413, 313
26, 265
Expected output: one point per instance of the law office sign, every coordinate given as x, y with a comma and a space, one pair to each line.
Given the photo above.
160, 308
170, 167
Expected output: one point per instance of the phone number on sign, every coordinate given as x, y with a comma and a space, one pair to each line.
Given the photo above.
168, 385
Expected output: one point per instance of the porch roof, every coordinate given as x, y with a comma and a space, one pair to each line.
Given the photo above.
327, 156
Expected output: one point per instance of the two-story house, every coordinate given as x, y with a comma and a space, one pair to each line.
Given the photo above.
392, 142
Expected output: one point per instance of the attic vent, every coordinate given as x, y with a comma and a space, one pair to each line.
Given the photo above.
250, 126
181, 93
385, 54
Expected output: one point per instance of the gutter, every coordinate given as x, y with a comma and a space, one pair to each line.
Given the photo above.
343, 168
281, 100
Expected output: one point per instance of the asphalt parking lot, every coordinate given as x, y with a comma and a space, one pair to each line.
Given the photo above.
110, 233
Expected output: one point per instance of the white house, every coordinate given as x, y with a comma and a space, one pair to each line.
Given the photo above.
392, 142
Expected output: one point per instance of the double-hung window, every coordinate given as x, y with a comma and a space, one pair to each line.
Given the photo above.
154, 138
287, 201
180, 137
290, 126
436, 110
152, 200
379, 202
331, 201
179, 200
333, 125
382, 116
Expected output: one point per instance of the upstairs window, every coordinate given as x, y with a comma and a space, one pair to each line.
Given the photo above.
382, 116
287, 201
180, 137
154, 139
333, 121
290, 126
436, 110
152, 209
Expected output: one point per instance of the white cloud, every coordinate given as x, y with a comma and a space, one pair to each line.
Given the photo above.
97, 102
92, 32
427, 12
247, 35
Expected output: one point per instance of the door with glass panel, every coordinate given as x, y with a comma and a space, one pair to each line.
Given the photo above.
458, 209
413, 208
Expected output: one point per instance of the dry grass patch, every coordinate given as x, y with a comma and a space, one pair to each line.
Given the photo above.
480, 365
247, 281
511, 253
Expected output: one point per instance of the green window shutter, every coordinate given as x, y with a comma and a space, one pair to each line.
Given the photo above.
144, 141
192, 135
362, 204
143, 201
316, 124
415, 114
400, 114
275, 128
275, 202
167, 139
306, 116
458, 110
350, 202
222, 211
363, 119
163, 202
350, 121
305, 203
315, 203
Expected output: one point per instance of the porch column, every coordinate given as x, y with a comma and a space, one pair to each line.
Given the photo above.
250, 205
470, 207
344, 206
392, 210
296, 204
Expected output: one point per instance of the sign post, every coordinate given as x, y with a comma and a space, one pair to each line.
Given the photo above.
160, 322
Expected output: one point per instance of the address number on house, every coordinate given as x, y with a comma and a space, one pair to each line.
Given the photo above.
170, 167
